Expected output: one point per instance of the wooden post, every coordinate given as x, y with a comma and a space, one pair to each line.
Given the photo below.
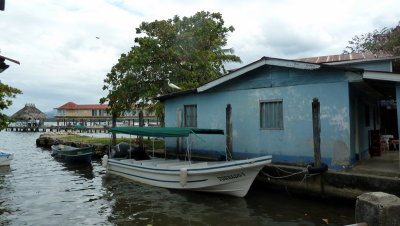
141, 124
141, 120
316, 132
229, 150
178, 124
317, 140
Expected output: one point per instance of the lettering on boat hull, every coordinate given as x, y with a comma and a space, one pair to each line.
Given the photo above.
231, 177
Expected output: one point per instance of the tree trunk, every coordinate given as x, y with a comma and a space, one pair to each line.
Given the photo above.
114, 124
141, 124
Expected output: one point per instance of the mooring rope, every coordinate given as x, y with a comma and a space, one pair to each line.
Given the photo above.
281, 177
290, 174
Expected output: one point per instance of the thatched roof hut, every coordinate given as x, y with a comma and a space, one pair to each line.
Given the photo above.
29, 112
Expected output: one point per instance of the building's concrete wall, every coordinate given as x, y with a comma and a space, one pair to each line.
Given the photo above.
80, 112
296, 88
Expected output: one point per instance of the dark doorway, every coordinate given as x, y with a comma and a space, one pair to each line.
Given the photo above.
389, 122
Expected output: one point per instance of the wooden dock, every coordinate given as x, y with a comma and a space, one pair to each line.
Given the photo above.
57, 129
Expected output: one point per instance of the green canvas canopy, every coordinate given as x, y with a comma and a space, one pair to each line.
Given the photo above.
163, 131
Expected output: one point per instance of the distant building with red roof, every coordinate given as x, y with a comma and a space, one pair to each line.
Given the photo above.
83, 113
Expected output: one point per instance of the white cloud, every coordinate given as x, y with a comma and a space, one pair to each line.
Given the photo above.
62, 60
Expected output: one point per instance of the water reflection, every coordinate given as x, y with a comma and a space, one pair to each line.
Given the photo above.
137, 204
39, 190
6, 190
81, 169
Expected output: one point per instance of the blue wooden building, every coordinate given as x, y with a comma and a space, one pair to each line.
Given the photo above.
265, 108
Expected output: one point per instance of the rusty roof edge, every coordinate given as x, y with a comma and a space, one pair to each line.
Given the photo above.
362, 60
344, 68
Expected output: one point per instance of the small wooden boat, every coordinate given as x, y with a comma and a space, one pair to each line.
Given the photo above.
230, 177
5, 158
72, 154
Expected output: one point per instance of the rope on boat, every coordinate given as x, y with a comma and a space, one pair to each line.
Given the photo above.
307, 175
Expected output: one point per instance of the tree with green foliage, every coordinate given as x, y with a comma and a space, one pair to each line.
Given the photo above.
6, 93
386, 40
187, 51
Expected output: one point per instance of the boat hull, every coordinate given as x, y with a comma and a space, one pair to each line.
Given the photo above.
230, 177
72, 154
5, 159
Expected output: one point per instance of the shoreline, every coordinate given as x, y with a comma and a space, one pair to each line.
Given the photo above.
343, 184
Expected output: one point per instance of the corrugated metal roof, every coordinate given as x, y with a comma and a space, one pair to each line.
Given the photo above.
344, 57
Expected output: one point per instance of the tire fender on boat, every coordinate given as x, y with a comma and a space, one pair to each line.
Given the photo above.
183, 177
104, 161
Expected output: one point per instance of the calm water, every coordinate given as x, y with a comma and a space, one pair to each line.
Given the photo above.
38, 190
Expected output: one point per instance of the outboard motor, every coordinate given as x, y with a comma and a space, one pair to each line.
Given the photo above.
124, 150
138, 153
120, 150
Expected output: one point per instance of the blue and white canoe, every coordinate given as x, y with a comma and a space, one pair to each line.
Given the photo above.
233, 177
5, 158
72, 154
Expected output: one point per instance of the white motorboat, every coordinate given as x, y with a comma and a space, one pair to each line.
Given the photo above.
5, 158
233, 177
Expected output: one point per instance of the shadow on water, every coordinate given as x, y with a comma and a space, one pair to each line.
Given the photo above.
282, 207
137, 204
82, 169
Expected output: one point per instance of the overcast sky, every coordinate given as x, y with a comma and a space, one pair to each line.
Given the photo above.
62, 60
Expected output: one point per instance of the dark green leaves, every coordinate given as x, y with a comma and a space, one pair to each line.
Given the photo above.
187, 51
6, 93
386, 40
